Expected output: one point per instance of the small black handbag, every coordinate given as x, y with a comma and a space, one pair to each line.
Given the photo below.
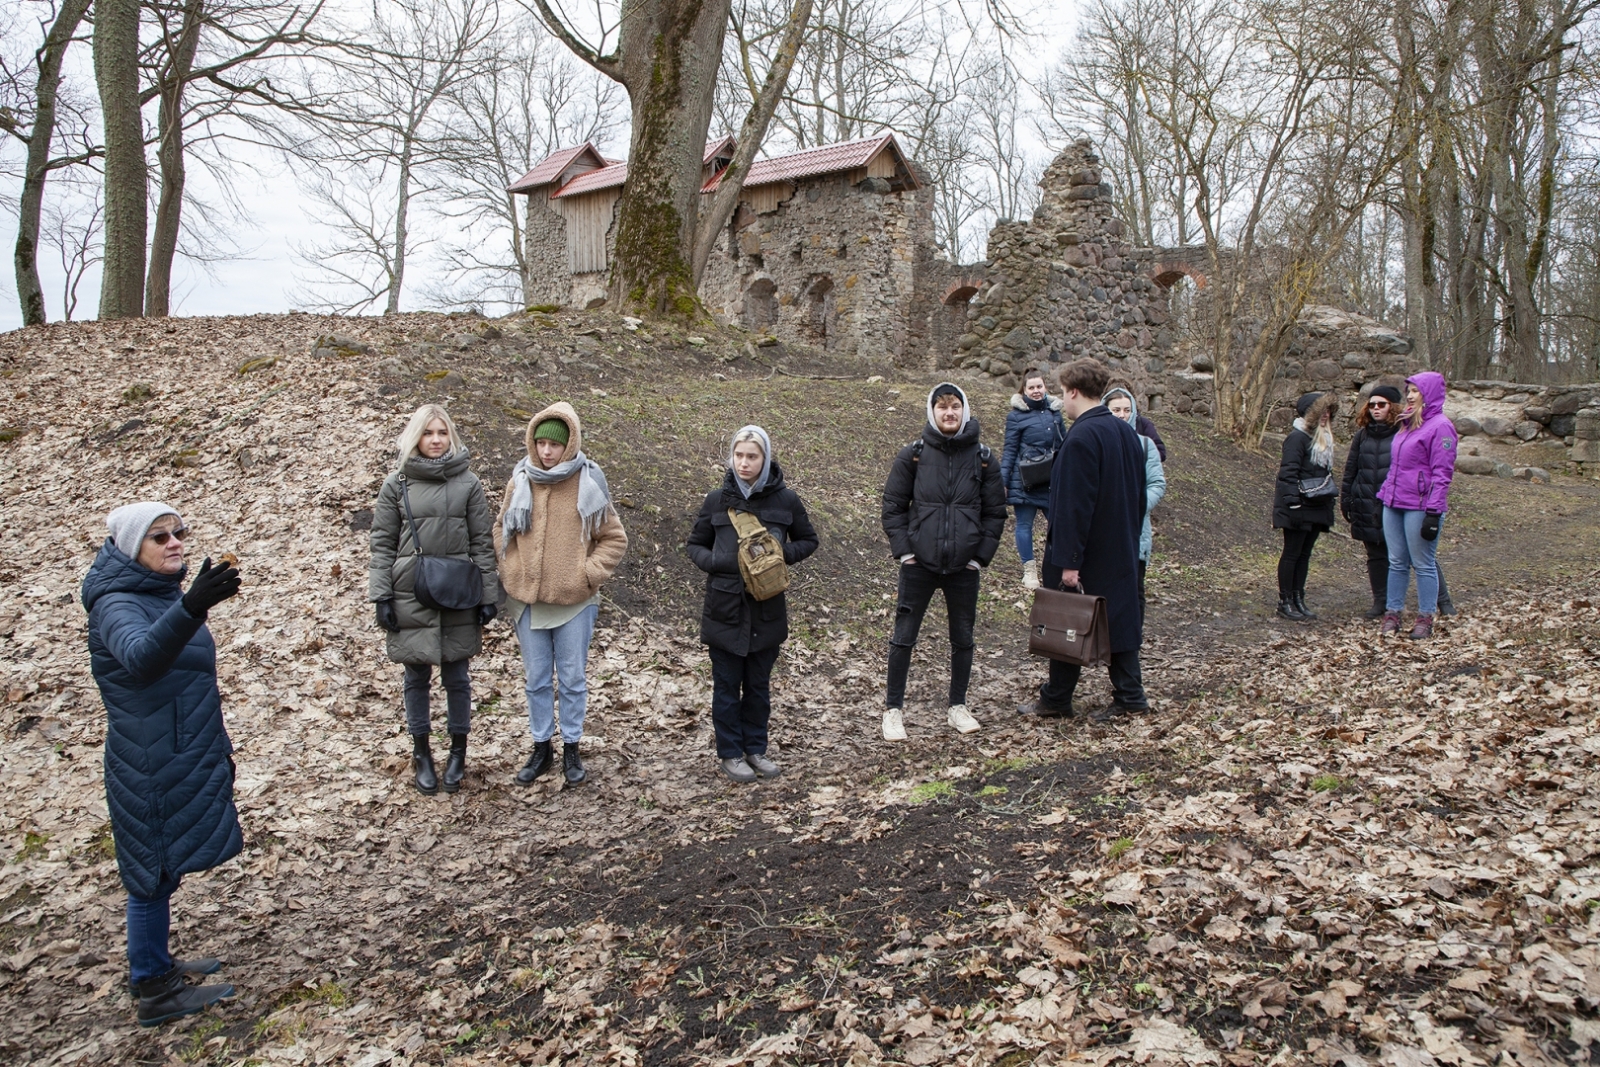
1318, 488
442, 583
1036, 472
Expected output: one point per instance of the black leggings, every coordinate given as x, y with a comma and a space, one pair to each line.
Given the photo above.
1295, 561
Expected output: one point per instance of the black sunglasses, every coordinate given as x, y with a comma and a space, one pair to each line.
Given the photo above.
161, 537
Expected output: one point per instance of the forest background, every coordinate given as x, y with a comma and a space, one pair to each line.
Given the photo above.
1431, 164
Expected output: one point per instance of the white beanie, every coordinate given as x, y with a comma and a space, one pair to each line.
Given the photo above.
129, 523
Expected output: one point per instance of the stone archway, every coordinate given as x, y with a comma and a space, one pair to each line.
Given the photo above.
959, 294
760, 304
1169, 274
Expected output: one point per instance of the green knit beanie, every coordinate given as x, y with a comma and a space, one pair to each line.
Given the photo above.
551, 430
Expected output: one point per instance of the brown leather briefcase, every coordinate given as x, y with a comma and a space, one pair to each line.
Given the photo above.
1070, 627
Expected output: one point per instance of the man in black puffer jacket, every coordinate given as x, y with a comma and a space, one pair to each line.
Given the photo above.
944, 509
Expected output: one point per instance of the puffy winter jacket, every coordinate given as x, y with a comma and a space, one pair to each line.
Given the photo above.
944, 502
168, 759
1289, 510
1423, 461
1365, 469
731, 619
1034, 430
453, 520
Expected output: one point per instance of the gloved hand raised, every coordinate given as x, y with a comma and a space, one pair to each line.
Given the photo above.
1430, 526
388, 618
210, 587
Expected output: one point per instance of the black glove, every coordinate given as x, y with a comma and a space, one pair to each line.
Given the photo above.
486, 614
210, 587
1430, 526
388, 618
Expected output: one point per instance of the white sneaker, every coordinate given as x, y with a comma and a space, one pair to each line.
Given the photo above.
1030, 575
893, 728
961, 720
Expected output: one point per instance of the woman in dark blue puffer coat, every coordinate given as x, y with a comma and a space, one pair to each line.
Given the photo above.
168, 760
1034, 430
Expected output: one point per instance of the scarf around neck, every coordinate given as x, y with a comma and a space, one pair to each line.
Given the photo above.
1321, 442
594, 495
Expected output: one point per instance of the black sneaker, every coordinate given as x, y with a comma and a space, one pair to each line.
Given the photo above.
169, 997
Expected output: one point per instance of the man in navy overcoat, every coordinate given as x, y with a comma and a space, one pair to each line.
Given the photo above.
1097, 505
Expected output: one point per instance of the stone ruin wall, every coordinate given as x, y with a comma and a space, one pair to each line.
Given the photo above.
1066, 284
544, 244
836, 266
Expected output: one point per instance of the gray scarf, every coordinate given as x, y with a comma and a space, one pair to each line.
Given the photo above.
1321, 443
594, 495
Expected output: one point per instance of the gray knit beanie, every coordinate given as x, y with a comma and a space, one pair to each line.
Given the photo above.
129, 523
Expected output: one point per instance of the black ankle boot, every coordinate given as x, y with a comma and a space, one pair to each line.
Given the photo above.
169, 996
455, 768
422, 763
538, 764
1300, 602
571, 765
1376, 611
1287, 608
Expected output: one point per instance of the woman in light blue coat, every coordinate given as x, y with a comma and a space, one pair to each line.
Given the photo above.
1121, 404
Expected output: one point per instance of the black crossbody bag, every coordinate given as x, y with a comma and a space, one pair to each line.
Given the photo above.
442, 583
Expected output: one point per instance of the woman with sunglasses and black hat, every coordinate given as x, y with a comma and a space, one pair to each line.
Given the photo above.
1302, 503
168, 760
1365, 470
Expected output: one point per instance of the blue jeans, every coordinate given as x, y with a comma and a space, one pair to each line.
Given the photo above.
1025, 516
149, 924
1402, 532
563, 651
741, 701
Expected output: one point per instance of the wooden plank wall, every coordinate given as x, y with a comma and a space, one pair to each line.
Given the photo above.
588, 222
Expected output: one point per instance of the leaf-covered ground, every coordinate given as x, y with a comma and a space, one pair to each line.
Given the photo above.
1322, 847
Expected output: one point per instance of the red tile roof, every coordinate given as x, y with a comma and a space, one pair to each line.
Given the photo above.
608, 177
826, 159
550, 167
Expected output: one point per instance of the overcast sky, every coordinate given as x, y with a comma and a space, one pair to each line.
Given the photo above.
265, 273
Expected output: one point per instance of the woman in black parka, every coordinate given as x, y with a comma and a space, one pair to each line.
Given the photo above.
742, 633
1307, 457
1365, 469
168, 760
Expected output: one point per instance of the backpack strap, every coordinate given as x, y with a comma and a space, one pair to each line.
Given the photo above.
745, 524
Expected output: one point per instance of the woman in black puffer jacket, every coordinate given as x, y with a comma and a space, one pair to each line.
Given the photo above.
742, 633
1307, 458
1365, 469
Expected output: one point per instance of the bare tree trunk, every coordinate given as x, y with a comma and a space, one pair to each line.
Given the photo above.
30, 293
402, 209
170, 158
668, 55
116, 72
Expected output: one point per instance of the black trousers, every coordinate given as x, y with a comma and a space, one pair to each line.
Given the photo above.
1378, 573
1127, 687
917, 586
1296, 561
741, 701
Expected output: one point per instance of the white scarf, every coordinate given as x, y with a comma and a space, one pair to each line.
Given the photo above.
594, 495
1321, 443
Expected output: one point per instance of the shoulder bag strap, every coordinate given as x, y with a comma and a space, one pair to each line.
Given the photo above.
405, 498
745, 524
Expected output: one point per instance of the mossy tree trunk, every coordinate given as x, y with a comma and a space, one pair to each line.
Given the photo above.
666, 56
116, 72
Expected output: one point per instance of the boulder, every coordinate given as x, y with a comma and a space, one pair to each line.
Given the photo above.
1531, 474
1474, 465
1585, 452
1323, 369
1495, 426
1586, 427
1563, 425
1467, 426
1527, 429
1201, 361
1536, 413
1569, 403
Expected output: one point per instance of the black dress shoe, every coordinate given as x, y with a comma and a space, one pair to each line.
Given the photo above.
538, 764
571, 765
1040, 710
455, 768
169, 997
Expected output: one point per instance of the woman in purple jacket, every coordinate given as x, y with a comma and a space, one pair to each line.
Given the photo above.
1415, 496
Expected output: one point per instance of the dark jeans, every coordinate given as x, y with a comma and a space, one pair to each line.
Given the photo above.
741, 701
149, 924
1378, 573
1295, 561
457, 694
917, 586
1127, 688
